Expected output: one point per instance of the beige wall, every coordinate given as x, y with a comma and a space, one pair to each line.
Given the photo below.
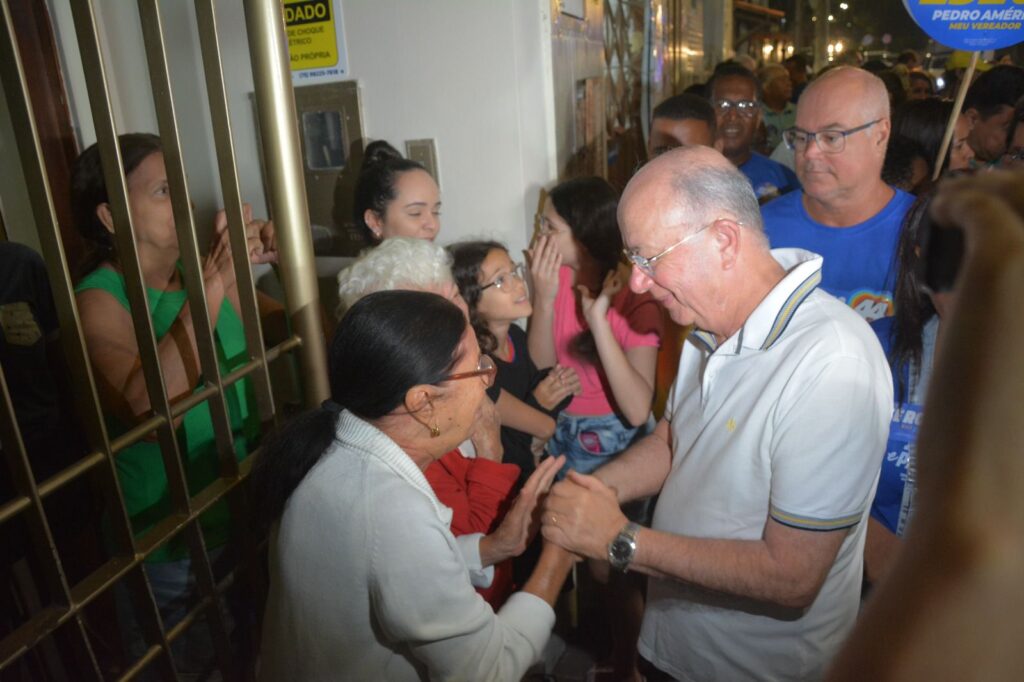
474, 76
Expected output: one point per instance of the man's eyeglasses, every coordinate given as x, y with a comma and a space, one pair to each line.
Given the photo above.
485, 369
504, 281
746, 108
829, 141
646, 265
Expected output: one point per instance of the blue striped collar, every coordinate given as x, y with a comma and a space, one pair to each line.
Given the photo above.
705, 339
771, 317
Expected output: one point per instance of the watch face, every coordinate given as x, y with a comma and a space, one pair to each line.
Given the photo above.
621, 549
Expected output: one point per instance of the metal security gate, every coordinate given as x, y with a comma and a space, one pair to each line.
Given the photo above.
68, 600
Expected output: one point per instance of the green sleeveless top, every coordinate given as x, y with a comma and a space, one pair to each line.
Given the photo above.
140, 467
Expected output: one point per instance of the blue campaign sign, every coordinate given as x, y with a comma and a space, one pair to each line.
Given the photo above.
970, 24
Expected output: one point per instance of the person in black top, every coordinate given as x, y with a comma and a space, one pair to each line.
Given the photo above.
528, 399
37, 380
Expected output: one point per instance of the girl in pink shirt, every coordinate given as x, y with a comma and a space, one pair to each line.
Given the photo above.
585, 317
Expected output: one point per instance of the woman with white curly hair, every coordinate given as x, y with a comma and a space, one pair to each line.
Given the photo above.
399, 263
475, 488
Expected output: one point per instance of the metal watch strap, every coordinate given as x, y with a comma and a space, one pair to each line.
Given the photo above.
625, 543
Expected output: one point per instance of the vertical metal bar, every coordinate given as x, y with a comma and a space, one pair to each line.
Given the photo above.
275, 103
87, 398
117, 191
72, 339
218, 99
86, 644
160, 80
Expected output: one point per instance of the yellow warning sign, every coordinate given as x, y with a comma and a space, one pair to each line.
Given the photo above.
312, 36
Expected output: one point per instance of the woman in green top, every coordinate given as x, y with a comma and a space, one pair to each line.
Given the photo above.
109, 333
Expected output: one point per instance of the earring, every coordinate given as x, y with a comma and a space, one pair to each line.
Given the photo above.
434, 431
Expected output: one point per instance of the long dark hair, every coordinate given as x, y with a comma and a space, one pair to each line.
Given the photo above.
89, 190
588, 206
387, 343
467, 257
913, 308
924, 121
375, 188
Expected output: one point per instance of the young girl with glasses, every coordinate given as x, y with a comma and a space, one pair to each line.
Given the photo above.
527, 398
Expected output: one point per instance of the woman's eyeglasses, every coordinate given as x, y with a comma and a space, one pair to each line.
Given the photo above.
485, 369
504, 281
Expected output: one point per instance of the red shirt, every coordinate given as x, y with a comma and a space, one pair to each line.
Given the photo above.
477, 491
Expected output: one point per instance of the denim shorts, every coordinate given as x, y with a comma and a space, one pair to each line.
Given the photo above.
590, 442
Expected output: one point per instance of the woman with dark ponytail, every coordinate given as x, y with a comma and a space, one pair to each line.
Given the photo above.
89, 190
366, 579
395, 196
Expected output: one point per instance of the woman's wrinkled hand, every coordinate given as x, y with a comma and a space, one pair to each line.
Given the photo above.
260, 238
522, 521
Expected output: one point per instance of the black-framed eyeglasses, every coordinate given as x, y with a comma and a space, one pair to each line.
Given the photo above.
646, 265
829, 141
503, 281
746, 108
485, 369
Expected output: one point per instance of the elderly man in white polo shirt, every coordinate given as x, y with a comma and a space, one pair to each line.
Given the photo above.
768, 455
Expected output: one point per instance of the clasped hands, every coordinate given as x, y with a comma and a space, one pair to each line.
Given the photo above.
260, 238
581, 515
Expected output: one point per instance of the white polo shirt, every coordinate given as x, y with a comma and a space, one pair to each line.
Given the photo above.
788, 418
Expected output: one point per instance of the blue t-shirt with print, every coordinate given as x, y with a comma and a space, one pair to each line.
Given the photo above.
909, 389
769, 178
859, 260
